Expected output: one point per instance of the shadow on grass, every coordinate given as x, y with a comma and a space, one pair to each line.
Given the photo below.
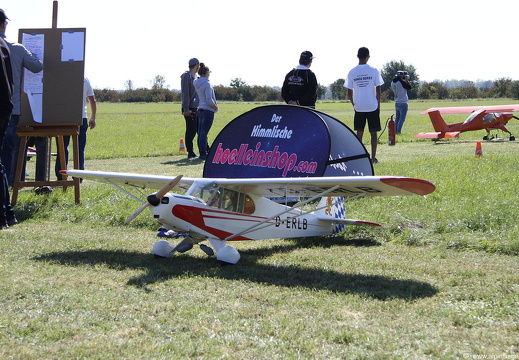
184, 162
249, 268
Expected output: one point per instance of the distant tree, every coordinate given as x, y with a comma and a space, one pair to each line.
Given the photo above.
158, 82
226, 93
464, 90
237, 83
500, 87
514, 90
107, 95
433, 90
128, 85
339, 92
389, 71
321, 91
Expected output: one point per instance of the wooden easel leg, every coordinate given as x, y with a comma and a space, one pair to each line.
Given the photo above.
48, 158
75, 145
61, 152
22, 154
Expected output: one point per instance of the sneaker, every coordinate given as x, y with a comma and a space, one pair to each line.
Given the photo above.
40, 190
192, 156
374, 161
12, 221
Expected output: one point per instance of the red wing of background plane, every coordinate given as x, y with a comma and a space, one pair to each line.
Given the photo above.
470, 109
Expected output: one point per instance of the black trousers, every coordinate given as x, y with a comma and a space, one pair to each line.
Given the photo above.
191, 130
6, 210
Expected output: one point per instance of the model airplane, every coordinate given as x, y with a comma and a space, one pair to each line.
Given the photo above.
480, 118
223, 210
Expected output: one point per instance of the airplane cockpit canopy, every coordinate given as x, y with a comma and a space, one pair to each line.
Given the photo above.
221, 198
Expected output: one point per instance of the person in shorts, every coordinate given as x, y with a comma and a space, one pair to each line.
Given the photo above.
363, 83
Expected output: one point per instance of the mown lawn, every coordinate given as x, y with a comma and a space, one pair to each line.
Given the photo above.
438, 280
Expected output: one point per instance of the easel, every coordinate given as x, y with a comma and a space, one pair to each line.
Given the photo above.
61, 106
47, 130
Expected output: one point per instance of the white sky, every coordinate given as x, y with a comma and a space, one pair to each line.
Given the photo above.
260, 41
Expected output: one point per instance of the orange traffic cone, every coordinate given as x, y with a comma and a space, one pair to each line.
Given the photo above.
182, 146
479, 151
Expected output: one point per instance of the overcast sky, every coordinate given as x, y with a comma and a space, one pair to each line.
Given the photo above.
260, 42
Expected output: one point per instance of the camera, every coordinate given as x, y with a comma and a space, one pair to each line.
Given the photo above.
402, 74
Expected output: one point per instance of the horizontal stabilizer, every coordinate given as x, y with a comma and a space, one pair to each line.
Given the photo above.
437, 135
348, 221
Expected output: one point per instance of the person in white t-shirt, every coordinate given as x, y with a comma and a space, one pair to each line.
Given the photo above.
88, 94
363, 83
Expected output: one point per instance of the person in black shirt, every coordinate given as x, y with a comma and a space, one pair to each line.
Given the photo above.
300, 85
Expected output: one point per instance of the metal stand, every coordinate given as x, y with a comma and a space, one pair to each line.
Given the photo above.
47, 130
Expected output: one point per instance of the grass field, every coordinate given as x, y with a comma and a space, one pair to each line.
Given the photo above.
439, 280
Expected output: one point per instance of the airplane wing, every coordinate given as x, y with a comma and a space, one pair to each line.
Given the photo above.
437, 135
470, 109
142, 181
348, 186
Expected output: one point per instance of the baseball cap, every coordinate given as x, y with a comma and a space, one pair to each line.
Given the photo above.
193, 62
3, 17
306, 55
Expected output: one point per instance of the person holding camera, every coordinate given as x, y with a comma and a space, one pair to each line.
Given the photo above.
400, 85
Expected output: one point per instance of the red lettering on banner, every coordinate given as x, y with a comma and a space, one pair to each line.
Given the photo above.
245, 156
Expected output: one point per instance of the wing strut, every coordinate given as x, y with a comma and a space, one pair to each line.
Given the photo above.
125, 191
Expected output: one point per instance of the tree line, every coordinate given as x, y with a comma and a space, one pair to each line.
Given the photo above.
239, 90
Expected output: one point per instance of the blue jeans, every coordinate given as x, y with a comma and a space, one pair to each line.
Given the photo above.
401, 113
205, 121
81, 143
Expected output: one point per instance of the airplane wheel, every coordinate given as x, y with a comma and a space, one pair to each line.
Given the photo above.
512, 138
485, 138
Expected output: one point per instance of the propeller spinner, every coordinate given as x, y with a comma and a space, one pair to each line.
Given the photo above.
154, 199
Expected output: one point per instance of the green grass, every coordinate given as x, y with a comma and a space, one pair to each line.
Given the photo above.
439, 280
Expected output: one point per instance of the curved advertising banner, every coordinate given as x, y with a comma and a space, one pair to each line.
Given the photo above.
286, 141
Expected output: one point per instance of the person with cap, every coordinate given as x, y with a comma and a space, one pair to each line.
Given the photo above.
6, 106
400, 85
207, 107
20, 58
190, 105
363, 83
300, 84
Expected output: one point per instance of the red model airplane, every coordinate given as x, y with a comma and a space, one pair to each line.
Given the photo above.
481, 117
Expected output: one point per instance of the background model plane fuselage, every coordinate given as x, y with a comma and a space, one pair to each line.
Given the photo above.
480, 118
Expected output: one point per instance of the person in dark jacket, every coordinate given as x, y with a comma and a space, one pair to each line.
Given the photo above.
6, 107
190, 105
300, 85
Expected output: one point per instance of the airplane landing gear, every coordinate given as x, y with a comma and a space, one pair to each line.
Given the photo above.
512, 138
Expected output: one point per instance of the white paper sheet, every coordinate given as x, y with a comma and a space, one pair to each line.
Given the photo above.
72, 46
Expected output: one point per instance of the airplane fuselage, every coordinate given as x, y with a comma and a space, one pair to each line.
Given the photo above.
190, 214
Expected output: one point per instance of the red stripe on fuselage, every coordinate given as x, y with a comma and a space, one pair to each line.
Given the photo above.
195, 216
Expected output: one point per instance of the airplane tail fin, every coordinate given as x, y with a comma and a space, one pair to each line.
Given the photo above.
437, 121
333, 206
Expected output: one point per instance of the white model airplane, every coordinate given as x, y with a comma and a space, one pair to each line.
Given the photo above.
222, 210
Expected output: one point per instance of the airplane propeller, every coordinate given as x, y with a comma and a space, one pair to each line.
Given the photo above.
154, 199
